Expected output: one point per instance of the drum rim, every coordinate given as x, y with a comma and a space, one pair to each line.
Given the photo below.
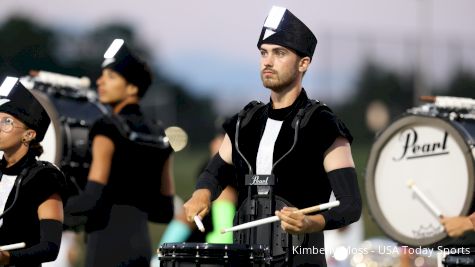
194, 245
54, 116
460, 138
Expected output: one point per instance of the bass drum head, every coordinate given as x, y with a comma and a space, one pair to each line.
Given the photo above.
52, 142
432, 154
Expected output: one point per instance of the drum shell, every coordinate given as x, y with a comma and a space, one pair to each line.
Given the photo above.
66, 141
205, 254
459, 135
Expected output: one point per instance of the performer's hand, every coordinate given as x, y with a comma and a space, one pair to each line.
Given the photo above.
199, 204
472, 219
293, 223
456, 226
4, 258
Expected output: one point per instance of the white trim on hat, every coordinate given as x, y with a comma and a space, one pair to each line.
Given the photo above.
114, 48
275, 17
4, 100
108, 61
268, 33
8, 85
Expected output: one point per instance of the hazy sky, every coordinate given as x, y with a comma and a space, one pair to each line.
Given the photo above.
210, 45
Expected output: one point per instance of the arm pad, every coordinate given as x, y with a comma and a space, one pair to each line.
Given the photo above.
222, 214
216, 176
345, 187
85, 201
177, 231
46, 250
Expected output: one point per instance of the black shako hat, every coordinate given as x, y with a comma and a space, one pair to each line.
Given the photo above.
119, 58
281, 27
18, 101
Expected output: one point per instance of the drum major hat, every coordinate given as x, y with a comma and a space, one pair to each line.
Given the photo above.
283, 28
16, 100
119, 58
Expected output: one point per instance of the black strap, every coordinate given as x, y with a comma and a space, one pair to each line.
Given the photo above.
248, 111
155, 139
306, 113
303, 115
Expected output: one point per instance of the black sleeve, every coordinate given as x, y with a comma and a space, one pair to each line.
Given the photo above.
46, 250
217, 175
105, 126
46, 182
329, 128
229, 126
344, 183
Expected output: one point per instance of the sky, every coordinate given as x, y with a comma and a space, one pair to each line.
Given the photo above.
210, 45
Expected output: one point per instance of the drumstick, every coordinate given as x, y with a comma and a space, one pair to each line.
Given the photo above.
199, 223
275, 218
412, 185
12, 246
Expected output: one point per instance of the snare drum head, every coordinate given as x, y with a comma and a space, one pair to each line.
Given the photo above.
433, 155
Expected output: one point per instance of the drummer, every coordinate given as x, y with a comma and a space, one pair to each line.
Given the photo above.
129, 182
458, 225
286, 46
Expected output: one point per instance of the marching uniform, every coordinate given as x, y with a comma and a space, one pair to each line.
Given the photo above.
28, 183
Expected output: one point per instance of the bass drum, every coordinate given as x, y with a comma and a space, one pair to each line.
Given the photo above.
422, 163
66, 140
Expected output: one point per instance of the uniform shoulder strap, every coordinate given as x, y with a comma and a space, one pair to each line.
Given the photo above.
30, 172
246, 114
155, 139
305, 113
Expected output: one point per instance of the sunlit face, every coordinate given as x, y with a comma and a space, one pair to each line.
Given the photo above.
279, 67
12, 131
111, 87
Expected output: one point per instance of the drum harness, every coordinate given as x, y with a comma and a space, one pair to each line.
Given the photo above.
155, 139
24, 176
264, 203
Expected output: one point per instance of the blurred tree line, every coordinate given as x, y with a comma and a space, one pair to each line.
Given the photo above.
25, 45
395, 90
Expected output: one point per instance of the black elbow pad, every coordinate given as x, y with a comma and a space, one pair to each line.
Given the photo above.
46, 250
344, 183
217, 175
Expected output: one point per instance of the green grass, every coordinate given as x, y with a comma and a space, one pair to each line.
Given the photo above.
360, 156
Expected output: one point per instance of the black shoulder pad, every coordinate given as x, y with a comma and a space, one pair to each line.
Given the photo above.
248, 111
304, 114
39, 165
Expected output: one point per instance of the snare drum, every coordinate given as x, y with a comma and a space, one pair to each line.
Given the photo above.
433, 150
459, 260
205, 254
66, 140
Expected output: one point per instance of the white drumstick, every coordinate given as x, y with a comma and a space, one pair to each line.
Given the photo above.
272, 219
199, 223
12, 246
412, 185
